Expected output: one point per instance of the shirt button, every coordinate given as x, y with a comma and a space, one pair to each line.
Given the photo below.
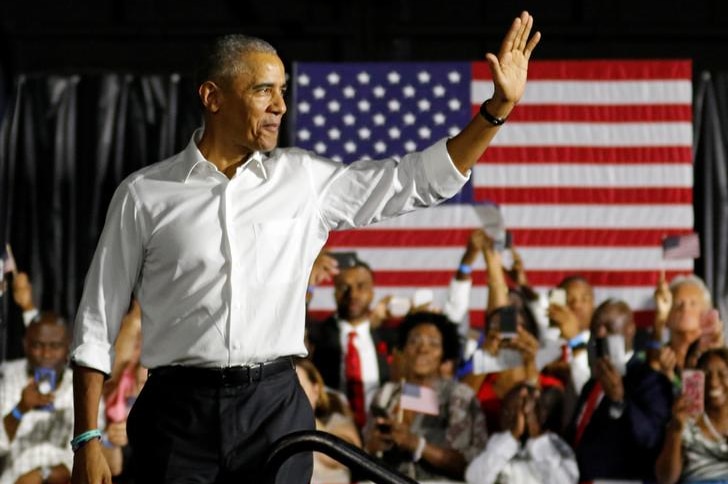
236, 345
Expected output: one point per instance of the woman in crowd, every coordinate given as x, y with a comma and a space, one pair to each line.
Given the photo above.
438, 444
696, 448
331, 418
527, 451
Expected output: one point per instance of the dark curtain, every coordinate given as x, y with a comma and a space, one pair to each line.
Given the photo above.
66, 142
711, 184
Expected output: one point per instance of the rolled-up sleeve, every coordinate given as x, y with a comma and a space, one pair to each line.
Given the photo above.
368, 191
110, 281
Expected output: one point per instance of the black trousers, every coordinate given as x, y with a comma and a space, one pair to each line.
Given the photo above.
185, 428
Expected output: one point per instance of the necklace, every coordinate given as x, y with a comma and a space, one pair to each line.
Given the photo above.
717, 435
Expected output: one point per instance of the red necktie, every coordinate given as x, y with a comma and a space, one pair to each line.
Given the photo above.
354, 384
591, 404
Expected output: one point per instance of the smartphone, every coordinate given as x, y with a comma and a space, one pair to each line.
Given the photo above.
617, 353
379, 412
509, 239
45, 379
601, 348
507, 326
557, 296
693, 390
344, 259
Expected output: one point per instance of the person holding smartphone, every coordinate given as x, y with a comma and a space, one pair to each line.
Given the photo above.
696, 446
622, 410
36, 401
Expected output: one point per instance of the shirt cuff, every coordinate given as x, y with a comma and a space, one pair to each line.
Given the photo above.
441, 172
93, 355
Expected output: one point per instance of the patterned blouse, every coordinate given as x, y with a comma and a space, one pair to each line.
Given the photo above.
460, 426
704, 459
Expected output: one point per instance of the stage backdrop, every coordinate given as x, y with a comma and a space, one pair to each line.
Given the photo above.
591, 170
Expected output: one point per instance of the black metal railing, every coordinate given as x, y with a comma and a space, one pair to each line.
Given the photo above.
353, 457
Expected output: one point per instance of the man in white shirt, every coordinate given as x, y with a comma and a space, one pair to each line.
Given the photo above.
217, 243
36, 401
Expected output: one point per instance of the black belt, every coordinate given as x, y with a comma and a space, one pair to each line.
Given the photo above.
220, 377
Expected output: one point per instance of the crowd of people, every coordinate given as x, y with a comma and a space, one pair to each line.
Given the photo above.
564, 396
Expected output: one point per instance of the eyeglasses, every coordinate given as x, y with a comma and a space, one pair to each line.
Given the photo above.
428, 341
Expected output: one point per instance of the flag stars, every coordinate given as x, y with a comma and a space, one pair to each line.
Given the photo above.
363, 105
364, 133
423, 77
453, 77
320, 147
334, 134
379, 91
304, 135
393, 77
349, 92
333, 78
380, 146
453, 104
423, 105
363, 78
394, 133
379, 119
438, 118
337, 158
393, 105
319, 92
304, 80
438, 90
453, 130
349, 119
409, 119
408, 91
304, 107
424, 132
350, 147
334, 106
410, 145
319, 120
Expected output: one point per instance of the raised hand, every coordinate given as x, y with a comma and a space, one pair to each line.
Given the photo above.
510, 67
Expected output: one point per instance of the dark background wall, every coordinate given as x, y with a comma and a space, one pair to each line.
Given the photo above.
165, 35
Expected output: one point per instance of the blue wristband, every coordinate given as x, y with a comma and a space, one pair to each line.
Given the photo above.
17, 413
81, 439
465, 269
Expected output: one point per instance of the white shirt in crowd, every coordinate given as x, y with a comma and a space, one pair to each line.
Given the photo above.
43, 436
220, 265
545, 459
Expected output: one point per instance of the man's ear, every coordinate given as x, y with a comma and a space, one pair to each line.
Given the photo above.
211, 96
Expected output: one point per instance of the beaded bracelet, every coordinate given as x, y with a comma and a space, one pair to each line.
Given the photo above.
465, 269
81, 439
17, 413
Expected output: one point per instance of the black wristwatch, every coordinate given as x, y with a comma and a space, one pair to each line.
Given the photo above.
495, 121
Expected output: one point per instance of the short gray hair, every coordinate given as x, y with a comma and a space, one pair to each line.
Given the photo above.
222, 61
692, 279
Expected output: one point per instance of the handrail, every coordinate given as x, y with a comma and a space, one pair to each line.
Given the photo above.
344, 452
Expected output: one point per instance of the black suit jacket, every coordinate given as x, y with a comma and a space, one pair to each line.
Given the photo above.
626, 447
327, 353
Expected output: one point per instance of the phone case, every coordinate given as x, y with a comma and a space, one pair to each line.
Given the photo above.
693, 389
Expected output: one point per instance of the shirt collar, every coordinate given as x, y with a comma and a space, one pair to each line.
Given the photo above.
192, 160
346, 327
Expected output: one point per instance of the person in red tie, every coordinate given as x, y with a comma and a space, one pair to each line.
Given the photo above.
351, 354
622, 411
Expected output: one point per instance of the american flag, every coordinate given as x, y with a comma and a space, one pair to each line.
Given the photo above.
419, 399
591, 171
681, 246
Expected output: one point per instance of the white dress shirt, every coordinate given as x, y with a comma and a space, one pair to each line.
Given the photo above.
220, 266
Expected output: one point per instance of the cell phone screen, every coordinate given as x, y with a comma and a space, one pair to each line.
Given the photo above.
507, 326
693, 390
344, 259
601, 347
